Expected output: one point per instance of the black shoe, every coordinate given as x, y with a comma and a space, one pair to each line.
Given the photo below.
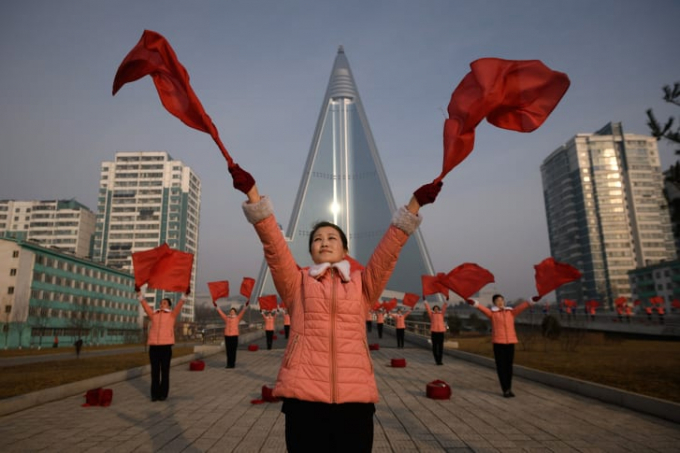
507, 394
153, 399
162, 398
230, 366
510, 394
440, 363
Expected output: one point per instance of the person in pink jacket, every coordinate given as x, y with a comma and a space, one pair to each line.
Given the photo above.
400, 326
326, 377
286, 323
503, 337
269, 318
161, 338
437, 331
380, 321
231, 332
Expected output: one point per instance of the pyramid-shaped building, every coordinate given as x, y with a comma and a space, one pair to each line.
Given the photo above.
344, 183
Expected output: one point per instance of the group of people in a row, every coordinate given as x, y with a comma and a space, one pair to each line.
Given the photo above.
326, 379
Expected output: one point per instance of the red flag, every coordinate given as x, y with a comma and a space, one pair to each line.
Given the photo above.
675, 303
247, 287
218, 289
390, 305
433, 284
468, 278
551, 274
172, 272
620, 301
511, 94
144, 261
410, 299
163, 268
637, 302
376, 306
267, 302
656, 300
153, 56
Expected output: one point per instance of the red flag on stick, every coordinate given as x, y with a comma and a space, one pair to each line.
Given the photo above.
247, 287
468, 278
410, 299
433, 284
551, 274
163, 268
390, 305
267, 302
219, 289
511, 94
153, 56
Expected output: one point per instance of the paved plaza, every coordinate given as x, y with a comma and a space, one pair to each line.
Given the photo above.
211, 411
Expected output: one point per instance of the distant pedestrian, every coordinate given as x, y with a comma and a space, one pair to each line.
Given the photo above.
286, 323
161, 338
369, 321
55, 344
79, 345
269, 318
380, 321
437, 331
231, 331
503, 337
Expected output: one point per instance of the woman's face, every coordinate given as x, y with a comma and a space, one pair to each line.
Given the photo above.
327, 246
232, 312
165, 305
499, 302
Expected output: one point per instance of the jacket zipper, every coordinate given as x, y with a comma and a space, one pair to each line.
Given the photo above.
332, 339
292, 351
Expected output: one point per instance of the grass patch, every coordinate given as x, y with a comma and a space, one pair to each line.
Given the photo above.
647, 367
21, 379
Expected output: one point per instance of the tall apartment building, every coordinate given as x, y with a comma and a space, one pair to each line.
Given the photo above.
606, 210
65, 225
145, 199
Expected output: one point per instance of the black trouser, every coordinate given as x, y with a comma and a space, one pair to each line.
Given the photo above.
400, 338
160, 356
437, 345
287, 330
369, 326
380, 326
321, 427
270, 338
504, 355
230, 345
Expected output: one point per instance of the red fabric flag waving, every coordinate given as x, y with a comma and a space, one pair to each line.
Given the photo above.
468, 278
219, 289
390, 305
511, 94
247, 287
551, 274
267, 302
675, 303
620, 301
433, 284
410, 299
153, 56
163, 268
656, 300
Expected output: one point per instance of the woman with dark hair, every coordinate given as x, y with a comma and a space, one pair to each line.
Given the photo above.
326, 378
231, 332
437, 331
503, 337
161, 338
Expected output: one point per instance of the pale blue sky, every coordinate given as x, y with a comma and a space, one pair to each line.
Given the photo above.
261, 68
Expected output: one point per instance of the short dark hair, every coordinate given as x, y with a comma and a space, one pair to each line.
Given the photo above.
169, 301
496, 296
322, 224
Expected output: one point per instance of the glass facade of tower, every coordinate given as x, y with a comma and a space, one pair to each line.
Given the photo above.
606, 211
146, 199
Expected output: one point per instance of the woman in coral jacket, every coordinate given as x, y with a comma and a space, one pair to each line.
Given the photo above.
286, 323
326, 377
269, 318
231, 332
400, 326
380, 321
437, 331
503, 337
161, 338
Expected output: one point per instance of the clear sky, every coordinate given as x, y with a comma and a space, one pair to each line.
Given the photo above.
261, 67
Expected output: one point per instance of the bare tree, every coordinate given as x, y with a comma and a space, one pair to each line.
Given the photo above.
671, 95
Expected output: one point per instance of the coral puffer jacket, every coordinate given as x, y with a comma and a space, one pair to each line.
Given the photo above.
268, 322
327, 357
436, 319
503, 322
231, 322
162, 328
400, 320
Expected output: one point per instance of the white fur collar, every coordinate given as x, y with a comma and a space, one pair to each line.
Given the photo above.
494, 308
317, 270
165, 310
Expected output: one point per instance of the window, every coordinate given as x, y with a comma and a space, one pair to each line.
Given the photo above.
15, 254
12, 272
10, 290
